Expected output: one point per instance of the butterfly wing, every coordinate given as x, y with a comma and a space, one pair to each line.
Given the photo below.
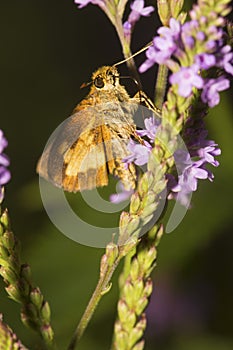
88, 146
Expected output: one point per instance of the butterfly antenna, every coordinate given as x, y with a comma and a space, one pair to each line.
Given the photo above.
135, 54
132, 78
85, 85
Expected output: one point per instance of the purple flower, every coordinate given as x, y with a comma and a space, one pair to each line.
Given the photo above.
137, 10
139, 153
201, 36
83, 3
187, 182
151, 125
225, 59
210, 93
127, 29
182, 160
190, 176
4, 162
187, 33
187, 78
205, 60
171, 32
208, 153
121, 195
151, 55
163, 46
190, 170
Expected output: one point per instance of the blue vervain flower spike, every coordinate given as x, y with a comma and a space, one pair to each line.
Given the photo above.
35, 311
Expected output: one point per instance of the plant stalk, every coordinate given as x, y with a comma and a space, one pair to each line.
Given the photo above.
101, 288
160, 87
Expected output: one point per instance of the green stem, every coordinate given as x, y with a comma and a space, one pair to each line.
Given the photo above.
125, 44
160, 87
101, 288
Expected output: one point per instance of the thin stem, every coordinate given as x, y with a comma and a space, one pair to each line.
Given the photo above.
101, 288
160, 87
126, 49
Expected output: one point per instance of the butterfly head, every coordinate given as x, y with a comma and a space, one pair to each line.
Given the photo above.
105, 78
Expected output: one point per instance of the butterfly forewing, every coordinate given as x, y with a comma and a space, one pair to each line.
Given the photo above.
88, 146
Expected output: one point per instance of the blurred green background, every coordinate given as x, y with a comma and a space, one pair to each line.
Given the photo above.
48, 49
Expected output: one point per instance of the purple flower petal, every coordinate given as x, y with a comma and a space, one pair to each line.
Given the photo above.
138, 10
4, 175
122, 195
139, 153
208, 153
4, 162
205, 61
151, 125
83, 3
186, 78
211, 88
3, 141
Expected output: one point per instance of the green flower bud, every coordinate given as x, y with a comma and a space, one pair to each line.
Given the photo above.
123, 311
14, 293
164, 11
148, 199
128, 294
36, 298
160, 185
143, 186
28, 321
139, 346
4, 220
153, 232
182, 17
26, 272
128, 246
47, 333
135, 334
133, 224
148, 288
131, 320
159, 235
135, 270
124, 219
138, 290
141, 305
148, 211
122, 340
45, 312
150, 256
24, 287
176, 7
8, 274
3, 252
8, 240
117, 327
135, 203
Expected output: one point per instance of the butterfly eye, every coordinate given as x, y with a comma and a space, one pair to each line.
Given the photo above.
99, 83
110, 73
112, 76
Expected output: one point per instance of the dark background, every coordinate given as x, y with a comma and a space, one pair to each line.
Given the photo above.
48, 49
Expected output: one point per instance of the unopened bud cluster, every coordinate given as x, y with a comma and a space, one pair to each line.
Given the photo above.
35, 312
